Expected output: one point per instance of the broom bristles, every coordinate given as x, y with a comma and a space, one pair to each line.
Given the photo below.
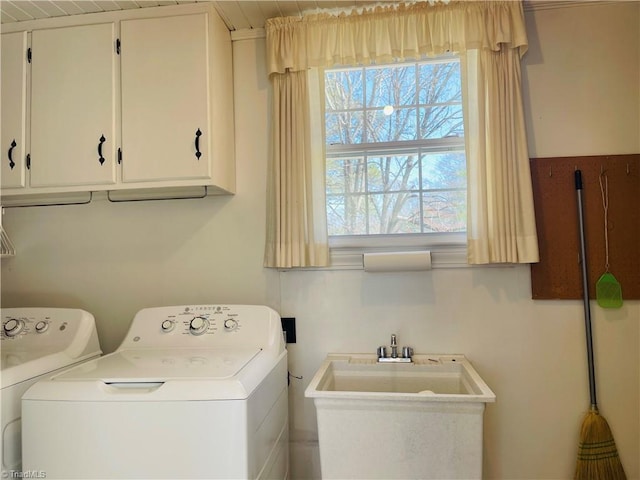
597, 454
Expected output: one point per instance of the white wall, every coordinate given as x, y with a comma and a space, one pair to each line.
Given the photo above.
581, 80
115, 259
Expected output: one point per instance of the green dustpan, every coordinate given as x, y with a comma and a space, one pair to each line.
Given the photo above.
608, 291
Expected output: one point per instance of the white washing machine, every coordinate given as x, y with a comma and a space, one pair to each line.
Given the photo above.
193, 392
37, 342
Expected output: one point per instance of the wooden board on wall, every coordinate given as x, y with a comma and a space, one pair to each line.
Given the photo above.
558, 274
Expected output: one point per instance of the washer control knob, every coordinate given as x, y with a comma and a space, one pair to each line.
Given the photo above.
230, 324
168, 325
13, 327
198, 325
42, 326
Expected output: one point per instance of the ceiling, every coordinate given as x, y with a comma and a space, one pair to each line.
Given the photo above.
237, 14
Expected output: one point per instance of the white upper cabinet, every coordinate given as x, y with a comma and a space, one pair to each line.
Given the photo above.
119, 101
14, 97
73, 106
164, 64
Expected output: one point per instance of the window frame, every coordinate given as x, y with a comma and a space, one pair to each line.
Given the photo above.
449, 243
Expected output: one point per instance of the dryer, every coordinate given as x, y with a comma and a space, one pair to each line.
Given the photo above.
195, 391
37, 342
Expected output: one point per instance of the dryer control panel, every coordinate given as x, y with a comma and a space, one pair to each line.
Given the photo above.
37, 340
51, 327
206, 326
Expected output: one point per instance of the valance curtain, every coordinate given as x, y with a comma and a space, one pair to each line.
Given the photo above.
490, 38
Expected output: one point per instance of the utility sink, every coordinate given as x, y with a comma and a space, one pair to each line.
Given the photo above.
418, 420
439, 377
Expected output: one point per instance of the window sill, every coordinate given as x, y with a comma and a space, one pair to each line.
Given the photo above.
351, 258
447, 250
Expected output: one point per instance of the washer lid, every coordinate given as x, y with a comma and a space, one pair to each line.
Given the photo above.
161, 365
17, 358
21, 366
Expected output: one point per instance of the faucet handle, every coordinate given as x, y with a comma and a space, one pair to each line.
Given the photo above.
407, 352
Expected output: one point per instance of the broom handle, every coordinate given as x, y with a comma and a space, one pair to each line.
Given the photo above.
585, 293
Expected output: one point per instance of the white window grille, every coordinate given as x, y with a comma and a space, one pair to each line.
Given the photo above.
395, 158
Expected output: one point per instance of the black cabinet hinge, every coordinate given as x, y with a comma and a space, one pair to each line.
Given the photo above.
29, 54
28, 161
119, 155
118, 46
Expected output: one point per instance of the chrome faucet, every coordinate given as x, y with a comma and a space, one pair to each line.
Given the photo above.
407, 352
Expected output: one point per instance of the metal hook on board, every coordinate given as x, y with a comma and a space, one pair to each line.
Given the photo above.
550, 170
627, 169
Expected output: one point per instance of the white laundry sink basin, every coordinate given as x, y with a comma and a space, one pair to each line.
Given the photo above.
438, 377
419, 420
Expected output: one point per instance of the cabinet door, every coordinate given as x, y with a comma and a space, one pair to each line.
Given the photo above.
73, 106
165, 99
14, 107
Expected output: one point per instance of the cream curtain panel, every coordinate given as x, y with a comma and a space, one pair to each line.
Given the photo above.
296, 219
490, 38
501, 225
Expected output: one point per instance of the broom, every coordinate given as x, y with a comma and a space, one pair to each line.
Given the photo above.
597, 454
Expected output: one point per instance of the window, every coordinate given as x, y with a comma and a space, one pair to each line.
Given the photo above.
395, 159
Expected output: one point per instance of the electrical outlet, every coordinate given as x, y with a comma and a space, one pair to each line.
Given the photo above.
289, 328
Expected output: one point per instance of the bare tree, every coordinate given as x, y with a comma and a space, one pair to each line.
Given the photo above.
389, 190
